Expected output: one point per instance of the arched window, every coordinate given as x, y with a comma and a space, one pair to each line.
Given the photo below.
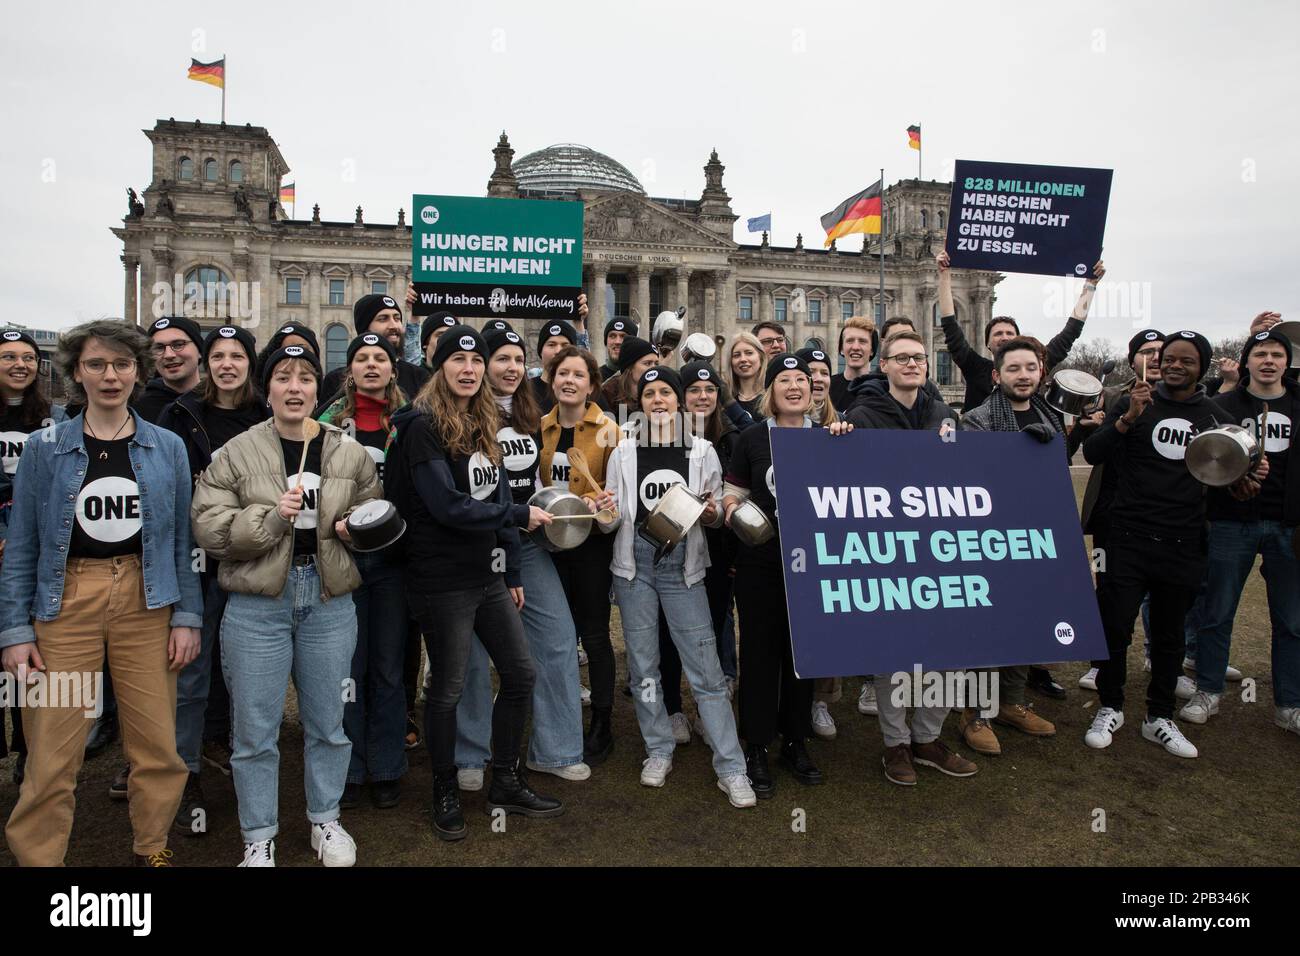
336, 347
941, 220
236, 171
935, 316
206, 281
925, 219
209, 170
187, 168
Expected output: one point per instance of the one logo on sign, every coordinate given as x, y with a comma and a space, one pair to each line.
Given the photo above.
162, 324
1276, 431
1171, 437
429, 215
467, 342
791, 362
293, 350
12, 336
1151, 336
704, 374
819, 355
656, 485
483, 476
652, 374
554, 330
370, 339
518, 452
1080, 269
226, 332
512, 338
1259, 336
288, 330
497, 300
389, 302
618, 326
1065, 632
108, 509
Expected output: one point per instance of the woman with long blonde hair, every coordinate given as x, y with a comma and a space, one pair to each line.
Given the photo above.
746, 365
462, 561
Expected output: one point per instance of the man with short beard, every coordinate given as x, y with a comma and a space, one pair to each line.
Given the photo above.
1263, 525
616, 330
1014, 406
381, 315
1156, 541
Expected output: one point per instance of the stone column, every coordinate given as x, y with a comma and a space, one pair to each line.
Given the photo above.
131, 302
358, 284
596, 315
242, 294
981, 315
766, 307
642, 298
683, 276
925, 323
315, 282
834, 322
723, 303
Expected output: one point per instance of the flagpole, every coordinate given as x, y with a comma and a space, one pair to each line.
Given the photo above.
225, 75
920, 144
882, 246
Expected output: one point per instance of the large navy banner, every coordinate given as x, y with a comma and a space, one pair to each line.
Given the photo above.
904, 548
1010, 217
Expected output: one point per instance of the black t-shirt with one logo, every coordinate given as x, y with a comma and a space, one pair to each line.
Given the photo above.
519, 456
107, 521
751, 468
13, 437
1276, 435
658, 468
374, 442
560, 460
304, 526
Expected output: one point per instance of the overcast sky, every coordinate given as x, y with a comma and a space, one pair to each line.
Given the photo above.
1192, 105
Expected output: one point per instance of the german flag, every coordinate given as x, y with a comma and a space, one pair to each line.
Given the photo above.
286, 194
860, 213
914, 137
213, 73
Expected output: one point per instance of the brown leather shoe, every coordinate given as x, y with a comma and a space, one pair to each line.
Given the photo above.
936, 755
1023, 718
977, 733
161, 858
898, 765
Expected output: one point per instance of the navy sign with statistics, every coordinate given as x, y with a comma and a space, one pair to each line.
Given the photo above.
1011, 217
913, 566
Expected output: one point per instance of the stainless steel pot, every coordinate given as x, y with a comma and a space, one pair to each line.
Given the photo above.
751, 525
668, 330
699, 347
1220, 456
675, 515
1073, 392
561, 535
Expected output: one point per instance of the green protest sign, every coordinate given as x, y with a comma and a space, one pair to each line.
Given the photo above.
499, 258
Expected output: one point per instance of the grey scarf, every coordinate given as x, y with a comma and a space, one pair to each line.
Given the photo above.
1004, 416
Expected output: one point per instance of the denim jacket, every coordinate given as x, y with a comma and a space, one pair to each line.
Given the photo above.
50, 474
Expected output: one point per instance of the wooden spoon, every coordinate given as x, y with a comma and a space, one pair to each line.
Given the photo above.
310, 429
579, 461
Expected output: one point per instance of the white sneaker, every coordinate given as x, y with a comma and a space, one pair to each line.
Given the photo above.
1089, 680
681, 728
822, 723
1104, 725
334, 846
470, 778
738, 790
582, 655
1288, 718
867, 699
1185, 689
1200, 708
654, 771
575, 771
584, 695
261, 853
1232, 674
1165, 732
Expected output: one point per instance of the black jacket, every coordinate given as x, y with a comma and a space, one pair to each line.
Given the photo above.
880, 410
410, 379
1155, 494
1238, 407
184, 417
156, 397
978, 369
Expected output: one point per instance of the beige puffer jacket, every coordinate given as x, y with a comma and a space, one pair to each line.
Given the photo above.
236, 514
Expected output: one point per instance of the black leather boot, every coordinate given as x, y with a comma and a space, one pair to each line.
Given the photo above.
510, 792
598, 742
192, 814
448, 821
760, 777
794, 757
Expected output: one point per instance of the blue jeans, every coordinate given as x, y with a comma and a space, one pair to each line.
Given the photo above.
1233, 547
553, 644
375, 719
691, 627
194, 680
263, 639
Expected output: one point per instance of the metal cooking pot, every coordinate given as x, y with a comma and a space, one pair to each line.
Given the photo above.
667, 525
1073, 392
562, 535
1220, 456
699, 347
1292, 331
375, 525
751, 525
667, 330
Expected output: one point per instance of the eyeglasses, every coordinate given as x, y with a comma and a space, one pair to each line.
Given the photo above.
9, 358
917, 359
1151, 355
161, 348
124, 366
775, 340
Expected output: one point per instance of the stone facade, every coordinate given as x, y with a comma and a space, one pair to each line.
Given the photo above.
211, 217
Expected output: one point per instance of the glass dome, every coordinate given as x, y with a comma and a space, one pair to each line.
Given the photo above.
568, 167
